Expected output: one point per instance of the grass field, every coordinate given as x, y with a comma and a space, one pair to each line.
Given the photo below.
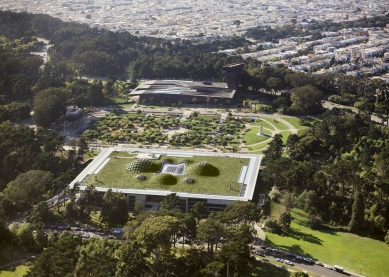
14, 271
295, 122
350, 251
250, 136
264, 123
279, 125
285, 135
258, 146
213, 178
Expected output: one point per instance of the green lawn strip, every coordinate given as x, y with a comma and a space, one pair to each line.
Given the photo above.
276, 209
285, 135
14, 271
214, 178
280, 126
259, 146
256, 152
296, 122
264, 123
250, 136
334, 248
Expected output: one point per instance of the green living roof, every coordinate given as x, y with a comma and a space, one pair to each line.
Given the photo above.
212, 175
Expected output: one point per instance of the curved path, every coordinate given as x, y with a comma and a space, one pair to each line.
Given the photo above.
265, 143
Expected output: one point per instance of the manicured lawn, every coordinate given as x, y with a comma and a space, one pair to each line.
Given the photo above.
213, 178
250, 136
264, 123
331, 247
259, 146
295, 122
18, 271
285, 135
279, 125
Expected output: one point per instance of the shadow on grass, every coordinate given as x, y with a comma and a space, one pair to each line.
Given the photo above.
295, 248
298, 235
265, 269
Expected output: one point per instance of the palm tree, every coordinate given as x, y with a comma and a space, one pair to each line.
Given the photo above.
228, 102
179, 103
162, 101
143, 101
194, 100
151, 99
174, 104
215, 100
208, 99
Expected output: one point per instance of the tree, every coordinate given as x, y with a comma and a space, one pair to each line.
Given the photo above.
132, 260
194, 99
236, 253
97, 258
208, 99
288, 201
357, 214
210, 231
58, 260
274, 193
154, 235
26, 190
242, 211
31, 237
138, 207
170, 202
114, 208
285, 219
215, 100
274, 83
275, 149
199, 212
49, 104
89, 200
306, 99
314, 221
42, 213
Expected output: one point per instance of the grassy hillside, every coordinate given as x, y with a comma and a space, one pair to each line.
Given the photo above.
354, 253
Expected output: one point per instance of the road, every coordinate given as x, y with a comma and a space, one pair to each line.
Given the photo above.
330, 105
309, 267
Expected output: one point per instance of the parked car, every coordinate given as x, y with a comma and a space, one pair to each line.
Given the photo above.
319, 263
288, 262
328, 267
338, 268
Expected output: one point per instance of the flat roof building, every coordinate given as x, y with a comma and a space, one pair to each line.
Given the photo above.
176, 90
215, 179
